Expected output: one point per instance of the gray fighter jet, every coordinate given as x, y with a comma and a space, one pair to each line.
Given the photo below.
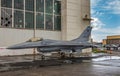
47, 45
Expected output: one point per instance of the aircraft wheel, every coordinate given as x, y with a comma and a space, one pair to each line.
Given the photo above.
71, 55
62, 55
43, 57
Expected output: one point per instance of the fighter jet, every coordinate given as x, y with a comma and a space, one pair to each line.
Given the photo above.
48, 45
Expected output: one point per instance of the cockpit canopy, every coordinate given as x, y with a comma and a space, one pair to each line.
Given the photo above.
34, 39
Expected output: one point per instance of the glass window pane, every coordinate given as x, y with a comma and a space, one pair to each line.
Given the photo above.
18, 19
57, 7
18, 4
49, 6
49, 22
6, 3
29, 5
57, 22
29, 20
6, 17
40, 21
40, 5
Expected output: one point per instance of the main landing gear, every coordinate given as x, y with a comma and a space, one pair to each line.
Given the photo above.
63, 55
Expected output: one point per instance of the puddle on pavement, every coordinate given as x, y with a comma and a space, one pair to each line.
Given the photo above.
105, 58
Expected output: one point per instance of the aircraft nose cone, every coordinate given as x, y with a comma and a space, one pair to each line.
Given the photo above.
24, 45
13, 47
18, 46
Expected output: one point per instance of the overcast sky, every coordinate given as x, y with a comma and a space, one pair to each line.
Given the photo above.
106, 15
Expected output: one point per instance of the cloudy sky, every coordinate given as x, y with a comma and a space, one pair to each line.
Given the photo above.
106, 15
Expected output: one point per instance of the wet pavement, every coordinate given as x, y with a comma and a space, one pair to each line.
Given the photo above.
102, 66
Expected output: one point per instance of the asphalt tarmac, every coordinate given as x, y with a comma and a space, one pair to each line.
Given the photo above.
103, 66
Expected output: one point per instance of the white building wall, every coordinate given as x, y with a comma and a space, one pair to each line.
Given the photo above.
14, 36
10, 37
73, 18
73, 14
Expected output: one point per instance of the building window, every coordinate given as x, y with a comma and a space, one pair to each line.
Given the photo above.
40, 5
18, 19
57, 22
29, 20
49, 22
29, 5
6, 3
48, 14
57, 7
6, 17
49, 6
18, 4
40, 21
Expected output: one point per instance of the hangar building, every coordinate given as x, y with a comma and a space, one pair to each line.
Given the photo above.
115, 39
50, 19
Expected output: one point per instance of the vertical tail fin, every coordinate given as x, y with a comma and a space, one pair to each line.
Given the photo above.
84, 37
